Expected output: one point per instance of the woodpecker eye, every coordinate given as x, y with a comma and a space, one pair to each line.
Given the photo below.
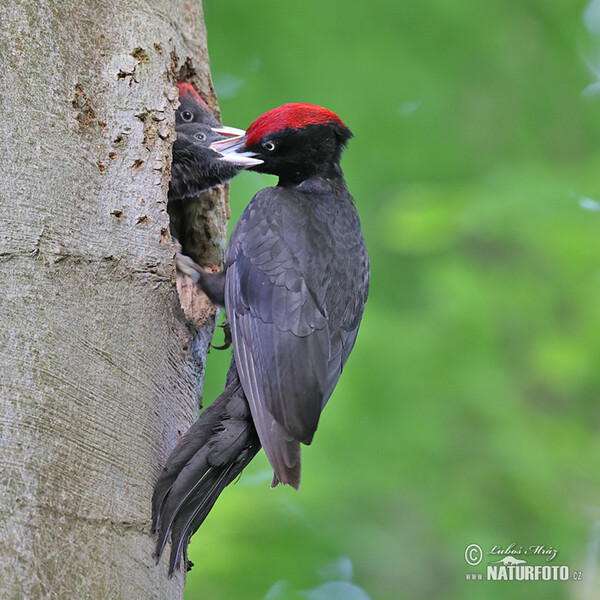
186, 115
200, 136
270, 146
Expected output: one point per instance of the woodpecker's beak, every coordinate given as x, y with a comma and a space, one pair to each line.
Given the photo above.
230, 152
229, 131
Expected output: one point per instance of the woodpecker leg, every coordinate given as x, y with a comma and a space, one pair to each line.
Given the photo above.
228, 339
212, 284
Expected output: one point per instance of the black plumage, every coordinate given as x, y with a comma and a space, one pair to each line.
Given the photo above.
210, 455
195, 166
296, 283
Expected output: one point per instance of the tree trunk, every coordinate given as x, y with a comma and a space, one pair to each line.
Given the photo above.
99, 368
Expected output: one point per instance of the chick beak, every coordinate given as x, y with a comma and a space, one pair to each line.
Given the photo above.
229, 132
231, 150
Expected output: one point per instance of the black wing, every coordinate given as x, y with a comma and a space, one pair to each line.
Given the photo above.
295, 290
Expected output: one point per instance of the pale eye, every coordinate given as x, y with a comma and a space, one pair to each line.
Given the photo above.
186, 115
270, 146
200, 136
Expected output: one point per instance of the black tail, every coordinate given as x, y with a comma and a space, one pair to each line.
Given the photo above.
211, 454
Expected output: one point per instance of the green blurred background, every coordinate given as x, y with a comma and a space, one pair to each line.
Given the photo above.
468, 412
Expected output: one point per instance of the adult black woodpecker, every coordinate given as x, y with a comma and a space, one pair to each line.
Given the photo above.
295, 287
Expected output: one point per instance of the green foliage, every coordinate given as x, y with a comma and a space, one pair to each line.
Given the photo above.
469, 411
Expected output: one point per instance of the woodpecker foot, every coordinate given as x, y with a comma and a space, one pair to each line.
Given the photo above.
187, 266
228, 339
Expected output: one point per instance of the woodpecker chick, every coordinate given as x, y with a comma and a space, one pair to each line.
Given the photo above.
195, 166
192, 109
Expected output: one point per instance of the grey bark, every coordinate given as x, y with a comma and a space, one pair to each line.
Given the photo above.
99, 368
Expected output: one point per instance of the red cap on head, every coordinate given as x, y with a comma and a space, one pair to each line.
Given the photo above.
187, 92
294, 116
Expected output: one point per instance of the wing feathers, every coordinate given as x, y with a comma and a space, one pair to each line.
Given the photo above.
295, 277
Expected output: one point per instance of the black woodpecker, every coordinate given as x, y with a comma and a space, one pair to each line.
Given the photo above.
294, 287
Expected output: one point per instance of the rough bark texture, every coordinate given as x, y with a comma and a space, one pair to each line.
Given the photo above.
99, 368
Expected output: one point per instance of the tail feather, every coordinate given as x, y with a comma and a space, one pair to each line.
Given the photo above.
174, 502
211, 454
192, 516
192, 442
